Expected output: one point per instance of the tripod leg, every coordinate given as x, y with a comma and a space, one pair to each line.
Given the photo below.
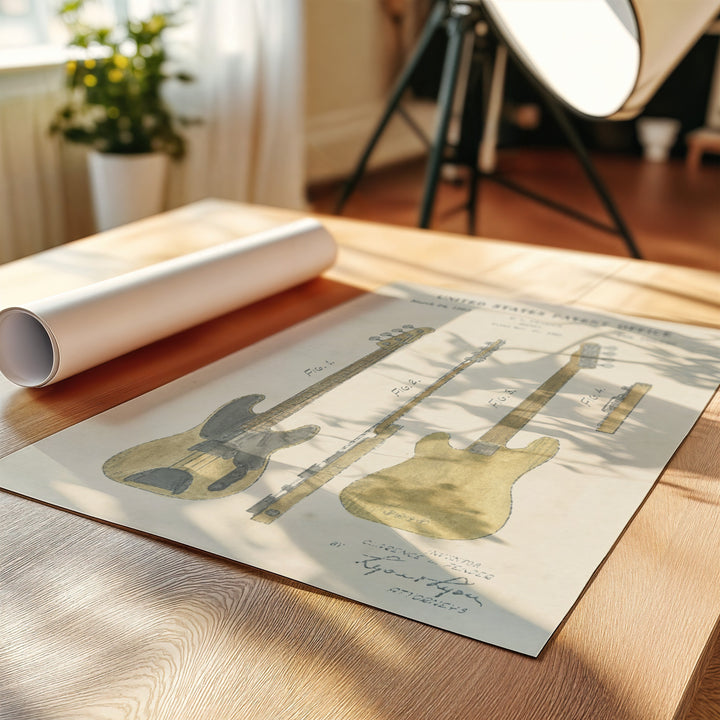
493, 110
473, 192
577, 145
434, 21
456, 28
482, 127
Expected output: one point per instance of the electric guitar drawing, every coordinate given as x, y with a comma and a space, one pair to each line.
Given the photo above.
273, 506
465, 494
230, 450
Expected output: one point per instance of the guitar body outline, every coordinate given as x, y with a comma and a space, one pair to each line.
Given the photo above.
214, 460
230, 449
445, 492
466, 494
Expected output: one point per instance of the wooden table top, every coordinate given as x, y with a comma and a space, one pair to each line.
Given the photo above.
99, 622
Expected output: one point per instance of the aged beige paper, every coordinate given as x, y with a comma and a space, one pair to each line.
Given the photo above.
463, 461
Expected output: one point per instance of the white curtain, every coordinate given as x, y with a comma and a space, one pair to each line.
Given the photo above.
32, 204
248, 60
249, 63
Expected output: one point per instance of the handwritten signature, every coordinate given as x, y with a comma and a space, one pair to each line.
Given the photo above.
380, 564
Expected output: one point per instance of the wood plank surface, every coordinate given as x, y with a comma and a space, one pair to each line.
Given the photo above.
99, 622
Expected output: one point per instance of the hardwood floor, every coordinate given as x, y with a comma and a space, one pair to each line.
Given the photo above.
672, 212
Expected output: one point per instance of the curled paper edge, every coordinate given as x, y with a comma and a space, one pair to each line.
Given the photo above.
50, 339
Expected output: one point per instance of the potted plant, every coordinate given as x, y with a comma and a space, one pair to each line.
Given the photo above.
115, 106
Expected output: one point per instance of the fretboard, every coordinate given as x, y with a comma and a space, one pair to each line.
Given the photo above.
404, 409
286, 408
519, 417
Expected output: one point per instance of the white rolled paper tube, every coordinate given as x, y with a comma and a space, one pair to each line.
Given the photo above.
53, 338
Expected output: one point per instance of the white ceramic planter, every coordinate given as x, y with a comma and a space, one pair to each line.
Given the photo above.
126, 187
657, 135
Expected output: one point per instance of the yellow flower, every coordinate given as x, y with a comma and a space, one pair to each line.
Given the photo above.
89, 64
155, 24
90, 80
120, 61
115, 75
71, 67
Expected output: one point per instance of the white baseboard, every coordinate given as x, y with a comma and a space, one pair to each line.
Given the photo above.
335, 140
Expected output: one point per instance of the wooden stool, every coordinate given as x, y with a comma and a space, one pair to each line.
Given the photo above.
701, 141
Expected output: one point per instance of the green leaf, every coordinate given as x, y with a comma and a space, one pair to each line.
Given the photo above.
114, 104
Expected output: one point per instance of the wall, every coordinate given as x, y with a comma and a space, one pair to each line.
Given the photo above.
353, 53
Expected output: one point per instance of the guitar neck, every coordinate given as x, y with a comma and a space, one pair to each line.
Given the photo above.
501, 433
404, 409
271, 507
287, 407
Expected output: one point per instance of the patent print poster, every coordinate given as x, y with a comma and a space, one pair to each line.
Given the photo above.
464, 462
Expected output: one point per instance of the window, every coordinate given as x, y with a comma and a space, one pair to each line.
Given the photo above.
32, 34
23, 23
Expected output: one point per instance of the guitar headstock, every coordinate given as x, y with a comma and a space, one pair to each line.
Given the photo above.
486, 350
400, 336
586, 356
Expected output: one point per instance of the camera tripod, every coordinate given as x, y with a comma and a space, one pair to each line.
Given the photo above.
460, 18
